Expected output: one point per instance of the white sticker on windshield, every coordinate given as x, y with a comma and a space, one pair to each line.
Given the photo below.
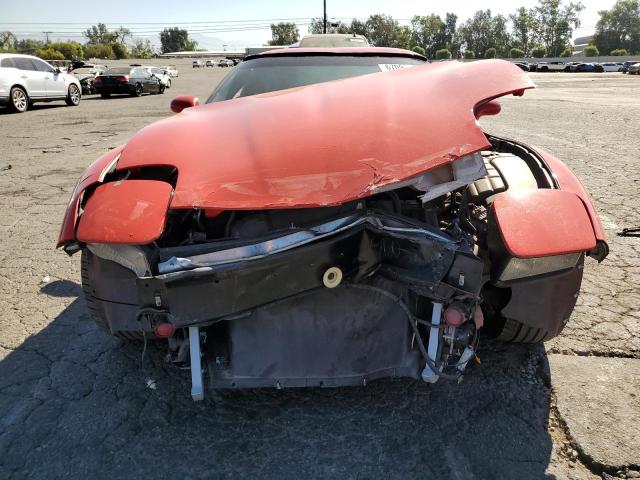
389, 67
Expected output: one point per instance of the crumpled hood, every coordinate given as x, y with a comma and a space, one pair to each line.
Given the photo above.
324, 144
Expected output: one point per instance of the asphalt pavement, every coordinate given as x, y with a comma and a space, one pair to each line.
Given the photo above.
77, 403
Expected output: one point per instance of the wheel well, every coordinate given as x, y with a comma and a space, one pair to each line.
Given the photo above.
21, 87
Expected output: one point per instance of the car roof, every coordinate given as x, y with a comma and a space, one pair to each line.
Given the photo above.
7, 55
347, 51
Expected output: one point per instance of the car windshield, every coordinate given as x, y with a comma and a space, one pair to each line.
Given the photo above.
272, 73
84, 70
118, 71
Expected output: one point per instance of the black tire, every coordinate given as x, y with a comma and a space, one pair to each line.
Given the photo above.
105, 95
516, 332
18, 100
138, 91
161, 89
544, 69
73, 95
94, 306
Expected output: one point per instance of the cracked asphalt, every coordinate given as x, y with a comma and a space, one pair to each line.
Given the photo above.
76, 403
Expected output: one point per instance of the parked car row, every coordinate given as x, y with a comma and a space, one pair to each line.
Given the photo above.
25, 80
224, 62
558, 66
132, 80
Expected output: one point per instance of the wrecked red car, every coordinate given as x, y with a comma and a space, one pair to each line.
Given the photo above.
330, 217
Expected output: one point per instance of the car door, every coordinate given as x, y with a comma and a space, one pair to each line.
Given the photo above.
34, 80
159, 74
54, 80
153, 81
138, 75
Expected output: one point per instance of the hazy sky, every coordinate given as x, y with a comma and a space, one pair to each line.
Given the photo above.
146, 18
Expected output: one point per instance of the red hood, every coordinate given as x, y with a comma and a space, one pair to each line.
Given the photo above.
324, 144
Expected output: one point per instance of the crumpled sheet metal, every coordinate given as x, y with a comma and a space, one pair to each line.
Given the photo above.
328, 143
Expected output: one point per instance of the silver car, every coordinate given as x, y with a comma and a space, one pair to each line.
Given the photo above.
25, 79
162, 75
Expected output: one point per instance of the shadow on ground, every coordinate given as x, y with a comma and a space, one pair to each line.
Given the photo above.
75, 403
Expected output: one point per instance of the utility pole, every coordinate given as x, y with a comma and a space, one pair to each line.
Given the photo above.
47, 34
324, 23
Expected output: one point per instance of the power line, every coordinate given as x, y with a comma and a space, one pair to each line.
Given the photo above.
171, 22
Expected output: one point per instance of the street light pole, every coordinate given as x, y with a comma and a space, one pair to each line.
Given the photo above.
324, 23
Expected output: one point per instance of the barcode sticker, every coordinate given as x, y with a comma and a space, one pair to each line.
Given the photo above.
389, 67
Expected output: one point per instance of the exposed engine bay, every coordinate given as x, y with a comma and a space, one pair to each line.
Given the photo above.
398, 283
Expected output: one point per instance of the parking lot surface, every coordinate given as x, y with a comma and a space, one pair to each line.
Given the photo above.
76, 403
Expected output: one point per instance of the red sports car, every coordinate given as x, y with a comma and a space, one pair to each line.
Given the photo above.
333, 216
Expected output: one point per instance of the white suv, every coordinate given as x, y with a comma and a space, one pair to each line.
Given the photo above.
25, 79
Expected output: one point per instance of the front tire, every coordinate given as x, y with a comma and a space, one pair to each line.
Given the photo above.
516, 332
19, 100
73, 96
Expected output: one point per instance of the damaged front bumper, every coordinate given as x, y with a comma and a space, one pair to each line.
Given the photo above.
215, 285
340, 303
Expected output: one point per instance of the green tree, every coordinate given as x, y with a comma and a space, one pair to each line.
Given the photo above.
516, 53
523, 27
99, 34
619, 52
484, 31
402, 38
317, 25
121, 34
142, 49
358, 27
591, 51
469, 55
70, 50
418, 49
490, 53
49, 53
176, 40
619, 27
284, 33
539, 51
101, 51
443, 54
555, 23
567, 52
8, 41
120, 50
450, 36
428, 32
382, 30
29, 46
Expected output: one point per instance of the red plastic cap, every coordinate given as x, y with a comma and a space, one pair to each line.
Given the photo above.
453, 316
164, 330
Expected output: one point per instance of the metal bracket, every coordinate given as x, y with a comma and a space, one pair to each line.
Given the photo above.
428, 375
197, 390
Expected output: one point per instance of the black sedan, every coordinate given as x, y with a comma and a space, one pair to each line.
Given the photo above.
128, 80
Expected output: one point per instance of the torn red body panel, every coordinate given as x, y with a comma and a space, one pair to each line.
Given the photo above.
91, 176
542, 223
324, 144
125, 212
568, 181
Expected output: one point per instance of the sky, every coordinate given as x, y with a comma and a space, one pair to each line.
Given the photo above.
237, 23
